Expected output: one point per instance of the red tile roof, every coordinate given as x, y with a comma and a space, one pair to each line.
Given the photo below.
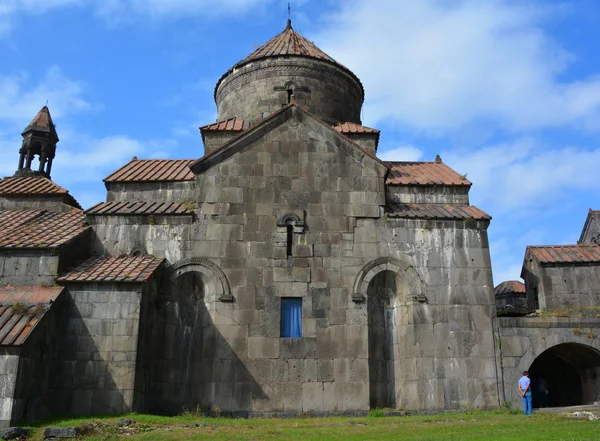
35, 186
424, 173
510, 287
565, 253
39, 228
228, 125
42, 122
21, 309
152, 170
436, 211
113, 269
352, 128
30, 186
140, 208
288, 42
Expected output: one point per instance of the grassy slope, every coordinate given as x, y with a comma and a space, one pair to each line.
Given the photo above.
462, 426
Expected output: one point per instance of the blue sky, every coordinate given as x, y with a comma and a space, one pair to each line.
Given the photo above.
505, 91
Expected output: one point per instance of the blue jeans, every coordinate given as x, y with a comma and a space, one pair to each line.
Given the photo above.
527, 402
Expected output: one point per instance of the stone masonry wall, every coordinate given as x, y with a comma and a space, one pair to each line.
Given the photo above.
565, 286
592, 234
9, 365
420, 194
94, 372
526, 338
28, 268
258, 89
229, 354
215, 140
444, 341
35, 203
161, 236
35, 365
146, 191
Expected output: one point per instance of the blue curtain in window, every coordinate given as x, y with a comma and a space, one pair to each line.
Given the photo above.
291, 318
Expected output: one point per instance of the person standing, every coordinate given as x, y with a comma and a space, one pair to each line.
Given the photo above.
525, 389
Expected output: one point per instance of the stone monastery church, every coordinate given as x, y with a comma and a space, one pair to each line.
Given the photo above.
286, 270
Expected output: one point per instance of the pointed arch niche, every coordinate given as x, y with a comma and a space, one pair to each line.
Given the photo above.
386, 285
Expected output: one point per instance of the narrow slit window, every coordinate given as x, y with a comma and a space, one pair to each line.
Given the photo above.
291, 317
290, 95
290, 239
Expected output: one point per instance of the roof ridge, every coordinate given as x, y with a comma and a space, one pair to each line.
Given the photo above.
281, 111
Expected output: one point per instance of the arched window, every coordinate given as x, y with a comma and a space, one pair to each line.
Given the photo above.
290, 239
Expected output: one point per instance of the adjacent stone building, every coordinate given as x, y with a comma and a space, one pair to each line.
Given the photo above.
558, 339
287, 270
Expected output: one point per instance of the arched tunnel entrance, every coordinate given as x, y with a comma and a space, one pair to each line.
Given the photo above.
571, 372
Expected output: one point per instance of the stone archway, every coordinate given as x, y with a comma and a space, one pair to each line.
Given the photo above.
572, 374
386, 285
381, 303
184, 339
570, 369
410, 284
216, 286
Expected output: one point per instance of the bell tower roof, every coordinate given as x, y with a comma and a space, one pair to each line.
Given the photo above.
42, 123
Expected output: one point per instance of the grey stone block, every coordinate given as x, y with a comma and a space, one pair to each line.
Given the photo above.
61, 432
13, 433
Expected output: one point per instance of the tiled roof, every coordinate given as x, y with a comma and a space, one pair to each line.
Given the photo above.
228, 125
436, 211
42, 122
147, 170
565, 253
352, 128
30, 186
140, 208
288, 42
21, 309
39, 228
113, 269
424, 173
510, 287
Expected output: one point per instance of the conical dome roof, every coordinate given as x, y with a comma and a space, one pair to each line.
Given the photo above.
289, 65
288, 42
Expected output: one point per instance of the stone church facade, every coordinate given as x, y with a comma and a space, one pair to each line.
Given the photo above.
287, 270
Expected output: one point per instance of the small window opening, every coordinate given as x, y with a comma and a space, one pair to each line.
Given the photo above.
291, 317
290, 239
290, 95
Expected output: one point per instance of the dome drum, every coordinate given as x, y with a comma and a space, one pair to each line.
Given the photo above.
259, 88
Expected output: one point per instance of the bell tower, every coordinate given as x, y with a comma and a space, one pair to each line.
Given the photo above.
39, 139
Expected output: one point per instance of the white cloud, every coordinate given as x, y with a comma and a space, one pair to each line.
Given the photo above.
10, 8
440, 66
82, 159
20, 100
159, 9
402, 153
523, 175
122, 10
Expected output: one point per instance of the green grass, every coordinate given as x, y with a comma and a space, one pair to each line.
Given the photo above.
476, 425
